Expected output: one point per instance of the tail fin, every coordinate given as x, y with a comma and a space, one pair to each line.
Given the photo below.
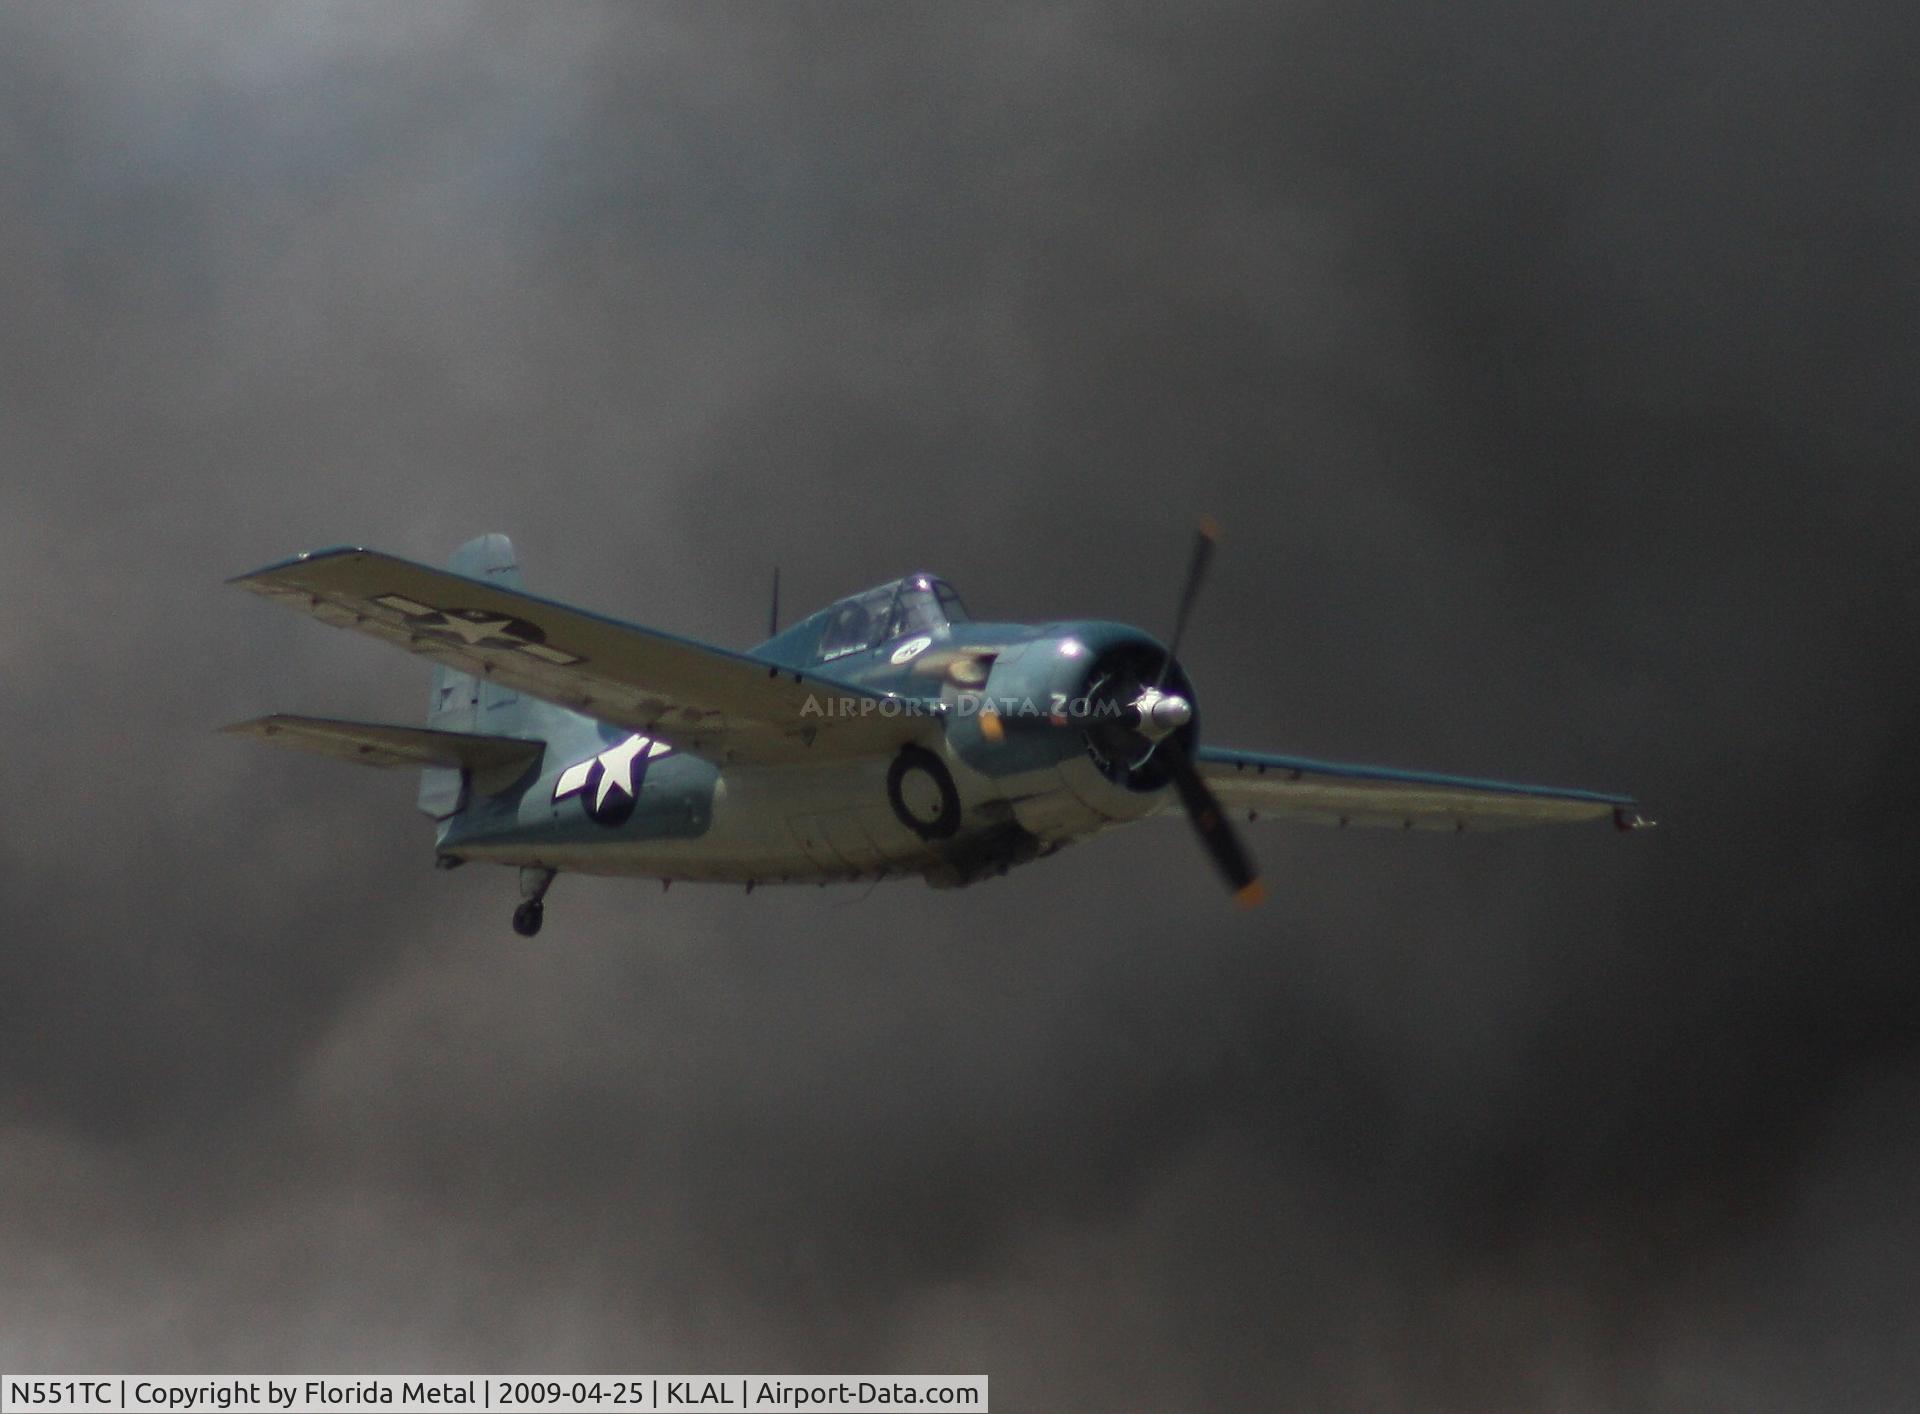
460, 702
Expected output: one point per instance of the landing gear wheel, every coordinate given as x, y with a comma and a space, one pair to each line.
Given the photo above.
535, 880
922, 793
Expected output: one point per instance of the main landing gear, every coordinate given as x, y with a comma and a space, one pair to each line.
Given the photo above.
534, 883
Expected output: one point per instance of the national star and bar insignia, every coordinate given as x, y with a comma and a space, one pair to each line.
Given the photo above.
609, 784
477, 628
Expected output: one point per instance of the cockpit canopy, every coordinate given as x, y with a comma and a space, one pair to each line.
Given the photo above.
917, 604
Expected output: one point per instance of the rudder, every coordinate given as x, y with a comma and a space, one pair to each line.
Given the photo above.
460, 702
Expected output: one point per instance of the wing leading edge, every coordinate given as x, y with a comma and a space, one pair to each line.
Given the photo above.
692, 695
1332, 793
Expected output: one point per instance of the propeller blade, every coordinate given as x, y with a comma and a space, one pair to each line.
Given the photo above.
1196, 571
1209, 822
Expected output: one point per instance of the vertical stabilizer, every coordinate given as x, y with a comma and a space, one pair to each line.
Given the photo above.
488, 557
460, 702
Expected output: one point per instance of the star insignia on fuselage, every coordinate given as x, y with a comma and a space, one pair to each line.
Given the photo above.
609, 783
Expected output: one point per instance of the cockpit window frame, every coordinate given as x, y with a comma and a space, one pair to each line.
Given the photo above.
915, 610
838, 641
917, 604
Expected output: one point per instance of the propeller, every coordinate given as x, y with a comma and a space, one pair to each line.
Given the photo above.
1209, 821
1203, 544
1137, 719
1217, 837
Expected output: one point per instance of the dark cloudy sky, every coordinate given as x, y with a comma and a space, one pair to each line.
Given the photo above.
1553, 369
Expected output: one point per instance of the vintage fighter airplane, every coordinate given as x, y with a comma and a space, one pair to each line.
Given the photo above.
886, 735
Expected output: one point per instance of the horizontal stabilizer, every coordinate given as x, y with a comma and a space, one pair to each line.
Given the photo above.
1332, 793
495, 761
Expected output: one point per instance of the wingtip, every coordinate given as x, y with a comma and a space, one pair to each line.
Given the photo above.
325, 553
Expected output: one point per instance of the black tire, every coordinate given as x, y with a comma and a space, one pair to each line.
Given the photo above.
914, 760
528, 917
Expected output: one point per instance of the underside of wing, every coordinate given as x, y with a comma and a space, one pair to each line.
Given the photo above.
1330, 793
694, 696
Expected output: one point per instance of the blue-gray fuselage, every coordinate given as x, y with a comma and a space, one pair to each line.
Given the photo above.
993, 771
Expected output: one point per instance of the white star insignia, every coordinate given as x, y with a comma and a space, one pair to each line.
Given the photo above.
616, 768
475, 630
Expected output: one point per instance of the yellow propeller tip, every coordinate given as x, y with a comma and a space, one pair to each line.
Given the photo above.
1252, 895
990, 727
1210, 527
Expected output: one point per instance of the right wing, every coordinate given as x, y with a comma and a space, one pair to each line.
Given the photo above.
1334, 793
702, 699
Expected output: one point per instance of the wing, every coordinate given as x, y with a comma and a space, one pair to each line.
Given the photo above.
501, 758
1328, 793
702, 699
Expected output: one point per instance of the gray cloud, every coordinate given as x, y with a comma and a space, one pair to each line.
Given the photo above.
1552, 373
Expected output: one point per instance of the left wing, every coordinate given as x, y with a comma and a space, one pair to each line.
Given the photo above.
1329, 793
702, 699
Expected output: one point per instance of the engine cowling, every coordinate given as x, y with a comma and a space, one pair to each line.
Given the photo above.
1070, 727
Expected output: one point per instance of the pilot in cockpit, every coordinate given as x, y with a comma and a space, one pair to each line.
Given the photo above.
849, 630
910, 606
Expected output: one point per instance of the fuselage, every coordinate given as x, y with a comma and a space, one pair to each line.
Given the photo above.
996, 770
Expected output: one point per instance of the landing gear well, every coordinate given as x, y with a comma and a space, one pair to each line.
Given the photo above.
534, 883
